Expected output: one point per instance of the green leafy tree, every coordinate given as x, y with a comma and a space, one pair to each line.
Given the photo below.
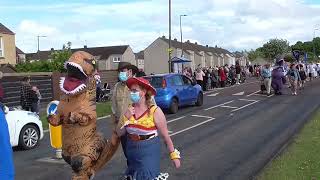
275, 48
54, 63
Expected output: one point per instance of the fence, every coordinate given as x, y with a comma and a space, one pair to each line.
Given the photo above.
48, 84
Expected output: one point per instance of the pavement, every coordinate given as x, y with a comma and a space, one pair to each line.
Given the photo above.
232, 136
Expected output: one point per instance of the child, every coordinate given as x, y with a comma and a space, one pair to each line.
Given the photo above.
35, 100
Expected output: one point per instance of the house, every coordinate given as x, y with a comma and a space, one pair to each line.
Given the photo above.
108, 57
156, 56
20, 56
7, 46
140, 60
241, 57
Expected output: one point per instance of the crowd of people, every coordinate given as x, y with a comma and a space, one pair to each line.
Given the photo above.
214, 77
294, 75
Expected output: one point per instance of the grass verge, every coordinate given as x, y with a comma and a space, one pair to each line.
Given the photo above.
103, 109
301, 160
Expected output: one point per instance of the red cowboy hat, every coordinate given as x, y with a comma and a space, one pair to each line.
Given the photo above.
141, 82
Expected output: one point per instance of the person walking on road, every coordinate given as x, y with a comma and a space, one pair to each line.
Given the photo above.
278, 78
121, 95
266, 77
141, 124
294, 77
25, 94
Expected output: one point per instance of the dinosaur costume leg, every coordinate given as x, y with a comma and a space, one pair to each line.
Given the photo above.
107, 153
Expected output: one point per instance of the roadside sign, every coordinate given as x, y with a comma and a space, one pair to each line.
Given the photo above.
55, 132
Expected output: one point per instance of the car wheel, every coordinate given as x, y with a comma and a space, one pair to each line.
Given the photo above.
29, 137
199, 100
174, 107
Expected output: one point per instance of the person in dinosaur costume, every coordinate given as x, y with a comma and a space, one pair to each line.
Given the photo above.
82, 146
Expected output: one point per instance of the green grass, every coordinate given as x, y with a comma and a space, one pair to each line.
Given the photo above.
103, 109
301, 161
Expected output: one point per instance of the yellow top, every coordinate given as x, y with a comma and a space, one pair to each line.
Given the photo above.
144, 124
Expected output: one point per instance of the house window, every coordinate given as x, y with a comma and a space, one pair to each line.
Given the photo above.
116, 59
1, 47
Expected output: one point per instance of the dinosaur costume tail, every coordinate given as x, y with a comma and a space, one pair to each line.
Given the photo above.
108, 152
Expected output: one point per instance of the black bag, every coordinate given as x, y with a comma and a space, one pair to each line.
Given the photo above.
263, 87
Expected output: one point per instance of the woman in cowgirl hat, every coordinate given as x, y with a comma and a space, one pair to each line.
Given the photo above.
141, 123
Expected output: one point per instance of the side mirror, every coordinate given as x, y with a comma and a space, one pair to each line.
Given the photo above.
5, 109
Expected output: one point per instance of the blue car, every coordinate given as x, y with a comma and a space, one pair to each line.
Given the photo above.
175, 90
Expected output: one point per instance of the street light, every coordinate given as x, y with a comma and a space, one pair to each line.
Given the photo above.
169, 51
181, 34
39, 41
313, 43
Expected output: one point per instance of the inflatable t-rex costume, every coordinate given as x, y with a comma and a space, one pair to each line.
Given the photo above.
82, 146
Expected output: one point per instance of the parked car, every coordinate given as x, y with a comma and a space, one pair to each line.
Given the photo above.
175, 90
25, 128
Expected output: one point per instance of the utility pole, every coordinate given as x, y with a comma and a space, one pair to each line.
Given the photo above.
39, 41
181, 34
169, 51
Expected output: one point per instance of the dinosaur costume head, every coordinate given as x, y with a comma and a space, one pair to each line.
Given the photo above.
80, 70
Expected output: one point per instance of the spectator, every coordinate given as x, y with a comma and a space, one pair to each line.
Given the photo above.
214, 79
25, 94
303, 75
35, 100
199, 77
223, 77
140, 73
238, 73
6, 160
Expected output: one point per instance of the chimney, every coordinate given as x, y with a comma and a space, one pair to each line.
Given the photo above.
85, 46
163, 37
216, 46
52, 49
188, 41
175, 39
207, 46
196, 43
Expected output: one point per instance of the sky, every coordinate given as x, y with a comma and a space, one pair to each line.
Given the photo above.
231, 24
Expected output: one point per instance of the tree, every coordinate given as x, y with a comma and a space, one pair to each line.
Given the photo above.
275, 48
254, 55
54, 63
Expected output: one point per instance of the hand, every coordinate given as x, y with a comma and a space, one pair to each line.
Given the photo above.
176, 163
130, 112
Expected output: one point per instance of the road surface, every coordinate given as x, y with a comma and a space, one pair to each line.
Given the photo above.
232, 136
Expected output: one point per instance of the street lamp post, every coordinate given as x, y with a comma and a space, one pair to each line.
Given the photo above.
169, 51
313, 43
181, 34
39, 41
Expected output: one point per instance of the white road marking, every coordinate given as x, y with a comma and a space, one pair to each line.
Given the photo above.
244, 106
239, 94
186, 129
231, 107
254, 93
104, 117
176, 119
216, 89
200, 116
218, 105
215, 94
250, 100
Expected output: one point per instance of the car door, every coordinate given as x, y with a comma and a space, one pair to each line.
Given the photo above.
190, 91
12, 128
177, 87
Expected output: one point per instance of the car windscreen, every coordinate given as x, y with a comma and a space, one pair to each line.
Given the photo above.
155, 81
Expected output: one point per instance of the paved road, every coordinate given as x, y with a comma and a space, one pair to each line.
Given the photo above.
232, 136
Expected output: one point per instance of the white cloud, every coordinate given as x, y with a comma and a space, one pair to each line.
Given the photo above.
233, 24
